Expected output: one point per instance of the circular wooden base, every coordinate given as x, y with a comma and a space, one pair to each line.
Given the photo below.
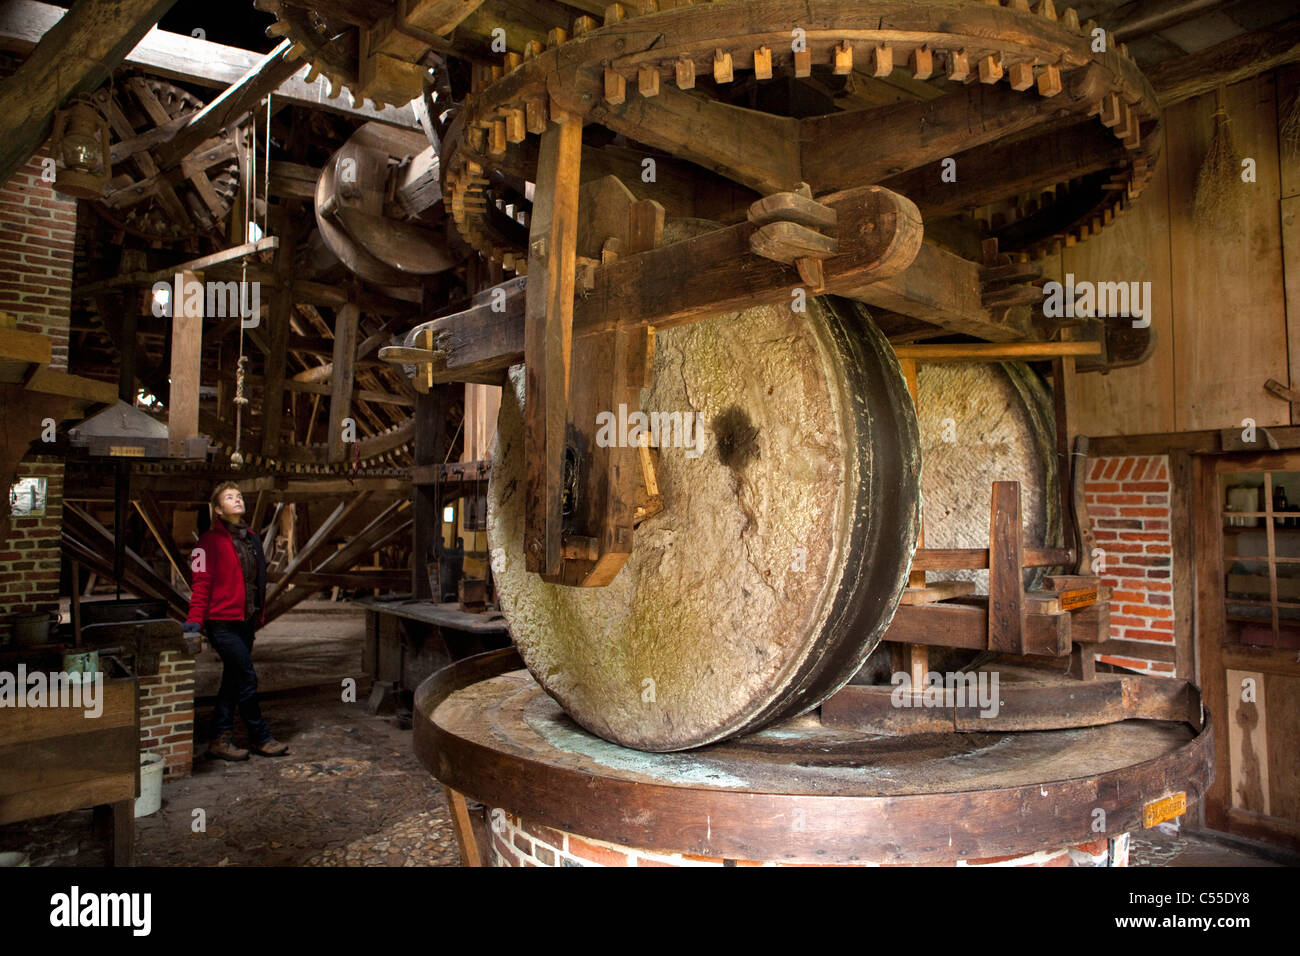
799, 791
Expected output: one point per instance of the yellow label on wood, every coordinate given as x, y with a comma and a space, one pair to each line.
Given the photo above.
1168, 808
1083, 597
126, 451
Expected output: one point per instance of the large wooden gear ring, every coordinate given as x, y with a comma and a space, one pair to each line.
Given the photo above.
781, 550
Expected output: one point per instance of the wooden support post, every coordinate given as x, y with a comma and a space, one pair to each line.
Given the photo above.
76, 601
186, 359
548, 339
1006, 580
598, 532
430, 437
279, 318
912, 660
463, 827
345, 354
916, 579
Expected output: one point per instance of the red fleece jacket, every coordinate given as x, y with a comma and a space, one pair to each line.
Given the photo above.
218, 593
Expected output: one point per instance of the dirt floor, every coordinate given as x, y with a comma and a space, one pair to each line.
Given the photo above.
350, 792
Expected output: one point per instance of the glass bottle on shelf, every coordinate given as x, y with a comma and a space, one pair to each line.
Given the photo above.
1279, 506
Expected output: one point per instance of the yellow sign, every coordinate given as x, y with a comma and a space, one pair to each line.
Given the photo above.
1167, 808
126, 451
1083, 597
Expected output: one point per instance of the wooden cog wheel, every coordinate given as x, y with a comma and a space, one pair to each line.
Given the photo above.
996, 88
188, 200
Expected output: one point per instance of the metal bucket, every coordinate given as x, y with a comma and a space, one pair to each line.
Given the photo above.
31, 629
151, 778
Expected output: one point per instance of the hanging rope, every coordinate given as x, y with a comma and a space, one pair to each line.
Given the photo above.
250, 218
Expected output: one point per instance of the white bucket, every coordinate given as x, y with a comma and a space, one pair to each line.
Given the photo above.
151, 777
14, 858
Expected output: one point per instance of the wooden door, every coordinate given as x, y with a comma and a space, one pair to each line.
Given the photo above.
1248, 613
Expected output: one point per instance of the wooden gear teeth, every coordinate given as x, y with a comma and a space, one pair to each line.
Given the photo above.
501, 126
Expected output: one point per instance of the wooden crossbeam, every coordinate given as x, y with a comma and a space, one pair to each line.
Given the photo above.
944, 289
156, 522
234, 103
759, 150
76, 55
95, 546
993, 172
706, 275
342, 513
391, 522
840, 150
23, 23
1184, 77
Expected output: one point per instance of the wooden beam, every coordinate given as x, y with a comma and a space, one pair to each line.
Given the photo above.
234, 103
1140, 18
136, 279
279, 318
840, 151
994, 172
760, 150
342, 513
76, 55
944, 289
1232, 61
1008, 352
345, 350
161, 531
191, 60
966, 624
717, 272
186, 367
1006, 584
548, 339
392, 521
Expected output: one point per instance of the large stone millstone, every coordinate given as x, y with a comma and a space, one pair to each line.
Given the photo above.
780, 553
981, 423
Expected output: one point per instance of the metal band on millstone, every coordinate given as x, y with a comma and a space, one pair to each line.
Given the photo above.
982, 423
781, 550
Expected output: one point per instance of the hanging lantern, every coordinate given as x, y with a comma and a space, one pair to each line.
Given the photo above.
81, 141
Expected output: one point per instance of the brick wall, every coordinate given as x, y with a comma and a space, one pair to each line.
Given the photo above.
1128, 501
517, 842
167, 712
37, 230
30, 555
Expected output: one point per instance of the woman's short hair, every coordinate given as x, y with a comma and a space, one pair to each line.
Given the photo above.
221, 489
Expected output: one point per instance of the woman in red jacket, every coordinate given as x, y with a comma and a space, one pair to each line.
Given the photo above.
229, 599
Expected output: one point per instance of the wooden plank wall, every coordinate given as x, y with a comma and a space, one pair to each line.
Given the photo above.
1222, 310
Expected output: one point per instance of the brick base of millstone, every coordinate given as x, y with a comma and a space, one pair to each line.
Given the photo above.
517, 842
